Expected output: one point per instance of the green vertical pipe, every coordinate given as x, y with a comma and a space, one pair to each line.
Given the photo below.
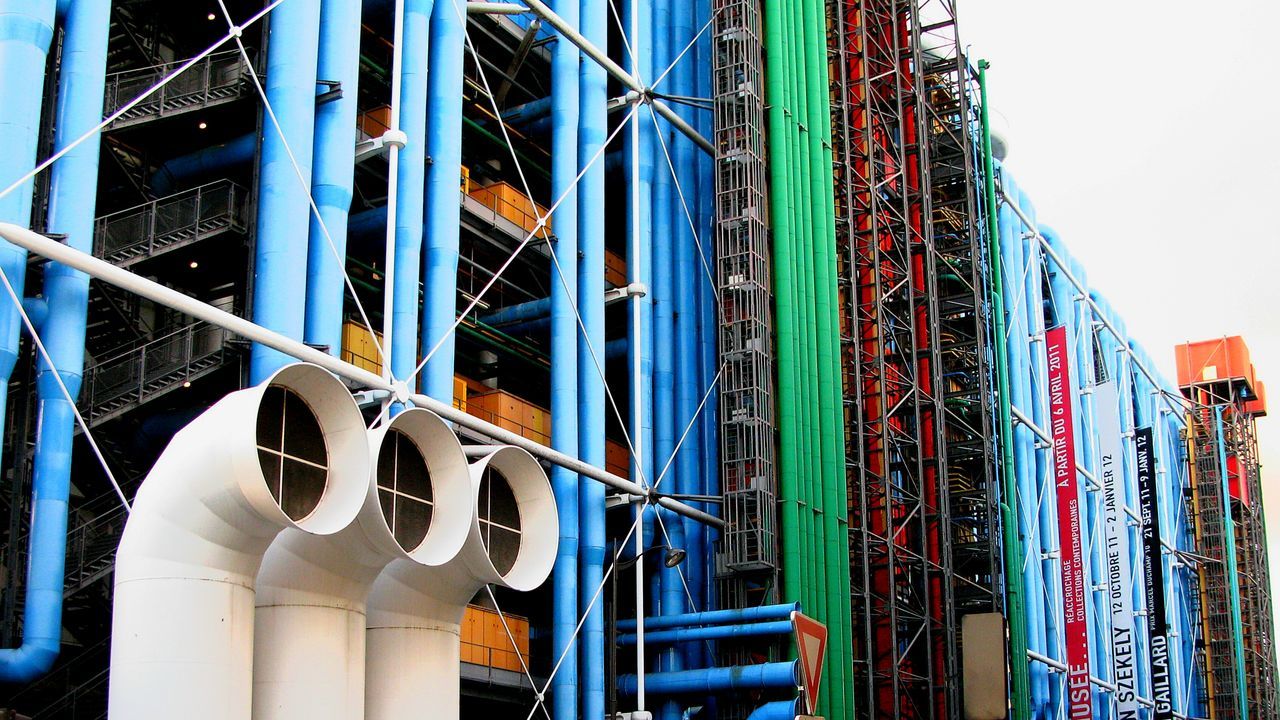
1020, 689
783, 272
830, 388
1233, 571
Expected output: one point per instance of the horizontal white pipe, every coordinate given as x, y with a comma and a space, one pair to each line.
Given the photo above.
495, 8
121, 278
571, 34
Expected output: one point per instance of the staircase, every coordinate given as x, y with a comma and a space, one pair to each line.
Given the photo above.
145, 231
218, 79
118, 384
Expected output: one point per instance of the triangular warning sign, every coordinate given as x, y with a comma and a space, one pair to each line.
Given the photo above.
811, 642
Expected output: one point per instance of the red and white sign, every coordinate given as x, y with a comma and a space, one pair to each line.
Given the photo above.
811, 641
1070, 534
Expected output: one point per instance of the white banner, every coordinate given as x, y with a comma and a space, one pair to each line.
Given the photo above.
1119, 569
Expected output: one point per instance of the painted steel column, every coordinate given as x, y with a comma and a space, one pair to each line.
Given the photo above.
333, 173
592, 131
72, 196
565, 110
280, 276
444, 217
411, 172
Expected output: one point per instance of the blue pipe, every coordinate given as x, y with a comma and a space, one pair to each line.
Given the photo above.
333, 174
411, 173
708, 321
279, 276
528, 112
564, 361
205, 162
444, 146
534, 309
765, 676
73, 192
592, 132
713, 632
761, 613
777, 710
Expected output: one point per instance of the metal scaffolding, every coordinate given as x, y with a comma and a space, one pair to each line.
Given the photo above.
747, 564
915, 326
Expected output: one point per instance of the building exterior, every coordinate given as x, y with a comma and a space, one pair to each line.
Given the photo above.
757, 264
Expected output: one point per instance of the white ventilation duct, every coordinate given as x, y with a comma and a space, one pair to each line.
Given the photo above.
309, 645
290, 453
415, 612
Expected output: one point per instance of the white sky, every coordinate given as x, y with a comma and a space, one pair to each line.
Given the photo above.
1145, 132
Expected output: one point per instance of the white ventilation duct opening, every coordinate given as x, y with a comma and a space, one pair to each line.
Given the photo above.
309, 649
290, 453
415, 612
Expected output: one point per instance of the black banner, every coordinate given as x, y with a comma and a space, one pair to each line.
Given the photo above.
1153, 578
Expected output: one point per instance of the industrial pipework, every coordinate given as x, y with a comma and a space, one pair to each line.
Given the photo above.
291, 452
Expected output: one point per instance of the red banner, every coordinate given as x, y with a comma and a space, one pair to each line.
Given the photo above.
1070, 533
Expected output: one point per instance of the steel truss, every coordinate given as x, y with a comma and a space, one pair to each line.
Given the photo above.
914, 326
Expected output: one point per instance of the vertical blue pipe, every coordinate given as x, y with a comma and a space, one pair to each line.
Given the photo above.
73, 191
444, 217
333, 172
26, 28
685, 533
280, 277
592, 132
564, 357
709, 325
411, 171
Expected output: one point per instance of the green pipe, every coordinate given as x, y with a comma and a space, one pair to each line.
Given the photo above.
1233, 570
1019, 686
779, 165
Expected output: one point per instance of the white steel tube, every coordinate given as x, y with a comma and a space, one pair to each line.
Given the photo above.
309, 648
121, 278
415, 611
182, 626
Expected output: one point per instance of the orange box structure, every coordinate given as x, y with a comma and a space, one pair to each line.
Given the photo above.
615, 269
1210, 361
484, 639
513, 413
511, 204
616, 459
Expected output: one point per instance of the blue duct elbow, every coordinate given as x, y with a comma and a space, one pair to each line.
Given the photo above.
778, 710
203, 163
333, 174
279, 277
73, 191
761, 613
411, 174
765, 676
444, 146
714, 632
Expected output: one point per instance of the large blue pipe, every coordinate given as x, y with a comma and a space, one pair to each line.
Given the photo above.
564, 361
764, 676
444, 146
280, 276
73, 191
713, 632
761, 613
777, 710
532, 310
411, 173
592, 131
204, 162
26, 29
333, 173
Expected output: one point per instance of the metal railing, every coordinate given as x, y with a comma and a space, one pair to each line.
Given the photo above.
142, 230
217, 78
150, 369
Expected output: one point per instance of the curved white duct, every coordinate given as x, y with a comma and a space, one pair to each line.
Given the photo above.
289, 453
309, 644
415, 612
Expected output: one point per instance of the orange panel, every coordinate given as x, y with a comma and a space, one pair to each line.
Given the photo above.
1258, 406
1210, 360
